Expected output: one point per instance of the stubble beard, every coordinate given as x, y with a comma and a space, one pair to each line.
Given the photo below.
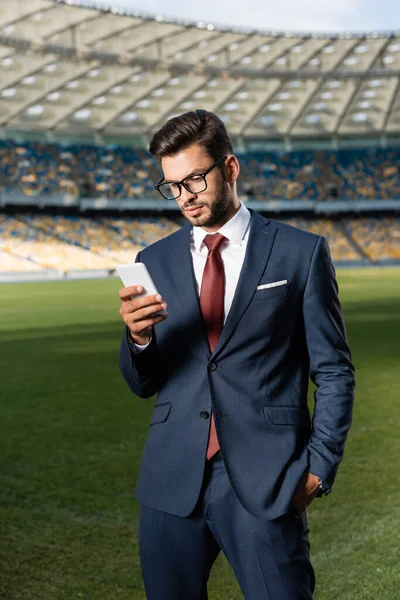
217, 210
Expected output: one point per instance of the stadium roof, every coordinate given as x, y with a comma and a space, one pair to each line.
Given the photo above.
75, 69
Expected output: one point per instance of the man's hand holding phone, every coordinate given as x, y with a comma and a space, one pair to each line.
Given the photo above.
138, 312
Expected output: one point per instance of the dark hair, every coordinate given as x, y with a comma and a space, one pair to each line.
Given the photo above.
195, 127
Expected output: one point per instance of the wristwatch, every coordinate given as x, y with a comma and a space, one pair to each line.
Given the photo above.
324, 488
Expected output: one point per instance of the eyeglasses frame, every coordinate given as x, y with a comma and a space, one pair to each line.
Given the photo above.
181, 183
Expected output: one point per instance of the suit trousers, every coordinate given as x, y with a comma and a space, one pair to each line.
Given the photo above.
270, 559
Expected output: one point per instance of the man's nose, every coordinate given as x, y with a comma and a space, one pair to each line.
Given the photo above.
186, 196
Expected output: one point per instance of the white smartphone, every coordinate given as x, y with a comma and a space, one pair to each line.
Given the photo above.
137, 274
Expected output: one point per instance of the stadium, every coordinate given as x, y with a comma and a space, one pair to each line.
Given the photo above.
315, 123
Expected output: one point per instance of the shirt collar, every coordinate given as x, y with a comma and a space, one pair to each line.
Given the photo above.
234, 230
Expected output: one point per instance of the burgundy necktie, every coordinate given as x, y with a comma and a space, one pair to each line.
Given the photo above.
212, 296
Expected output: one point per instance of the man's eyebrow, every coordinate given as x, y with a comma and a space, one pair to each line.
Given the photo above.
197, 171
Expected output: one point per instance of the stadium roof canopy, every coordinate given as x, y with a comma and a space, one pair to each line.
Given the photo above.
75, 69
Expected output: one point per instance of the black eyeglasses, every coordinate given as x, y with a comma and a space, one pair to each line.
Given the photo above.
195, 184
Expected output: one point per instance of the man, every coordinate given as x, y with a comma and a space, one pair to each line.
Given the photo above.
232, 458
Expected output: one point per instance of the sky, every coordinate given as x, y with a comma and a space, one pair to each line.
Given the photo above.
279, 15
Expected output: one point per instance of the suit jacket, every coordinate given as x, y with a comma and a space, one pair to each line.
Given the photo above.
255, 381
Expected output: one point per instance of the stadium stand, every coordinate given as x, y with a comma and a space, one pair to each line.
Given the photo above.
80, 102
32, 242
123, 172
379, 238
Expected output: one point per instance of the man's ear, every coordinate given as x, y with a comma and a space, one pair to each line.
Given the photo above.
231, 169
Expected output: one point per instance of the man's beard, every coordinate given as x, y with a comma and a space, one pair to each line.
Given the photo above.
217, 209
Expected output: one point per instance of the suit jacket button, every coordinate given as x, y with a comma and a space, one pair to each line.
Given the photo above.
204, 414
212, 367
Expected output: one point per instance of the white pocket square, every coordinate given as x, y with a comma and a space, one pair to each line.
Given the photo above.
270, 285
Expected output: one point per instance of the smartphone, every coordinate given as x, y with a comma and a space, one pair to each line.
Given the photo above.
137, 274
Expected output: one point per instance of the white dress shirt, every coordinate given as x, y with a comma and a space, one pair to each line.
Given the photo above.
232, 251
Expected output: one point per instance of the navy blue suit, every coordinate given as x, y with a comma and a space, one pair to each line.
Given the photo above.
255, 381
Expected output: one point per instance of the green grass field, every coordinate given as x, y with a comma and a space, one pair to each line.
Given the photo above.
71, 437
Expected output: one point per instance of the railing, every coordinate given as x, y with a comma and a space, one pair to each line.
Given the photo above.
159, 204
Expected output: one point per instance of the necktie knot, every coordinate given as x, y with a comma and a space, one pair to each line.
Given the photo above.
214, 241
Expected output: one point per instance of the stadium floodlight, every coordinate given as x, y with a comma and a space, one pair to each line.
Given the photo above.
210, 27
143, 103
360, 117
52, 68
9, 93
350, 61
334, 84
232, 106
83, 114
35, 111
313, 119
94, 73
99, 100
267, 119
29, 80
129, 117
53, 96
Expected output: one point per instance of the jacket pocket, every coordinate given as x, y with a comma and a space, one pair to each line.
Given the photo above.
272, 292
160, 413
286, 415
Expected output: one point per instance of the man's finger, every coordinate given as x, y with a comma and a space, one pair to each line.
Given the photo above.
139, 313
127, 292
130, 293
141, 326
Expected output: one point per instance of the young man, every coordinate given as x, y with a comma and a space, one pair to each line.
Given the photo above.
232, 458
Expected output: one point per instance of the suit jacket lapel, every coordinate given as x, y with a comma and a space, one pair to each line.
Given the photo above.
183, 277
261, 238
